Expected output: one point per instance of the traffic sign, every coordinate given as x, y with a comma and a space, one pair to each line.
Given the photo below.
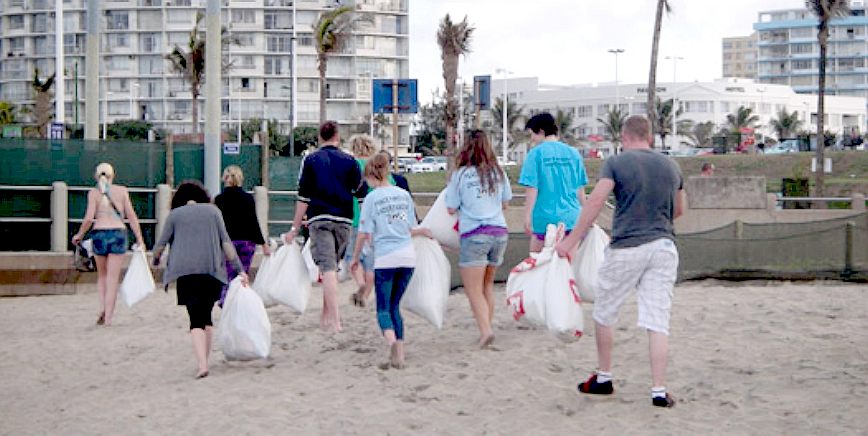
408, 102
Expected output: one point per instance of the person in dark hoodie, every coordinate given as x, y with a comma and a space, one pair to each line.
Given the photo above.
330, 179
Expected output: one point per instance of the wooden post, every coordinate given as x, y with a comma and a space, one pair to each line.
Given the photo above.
170, 161
265, 145
848, 247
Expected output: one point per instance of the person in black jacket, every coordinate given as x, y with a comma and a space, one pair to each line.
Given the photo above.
239, 214
330, 178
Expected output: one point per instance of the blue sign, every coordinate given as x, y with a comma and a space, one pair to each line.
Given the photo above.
231, 148
408, 101
482, 92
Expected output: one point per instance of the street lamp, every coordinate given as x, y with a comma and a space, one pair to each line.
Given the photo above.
370, 76
616, 52
105, 116
675, 60
503, 108
132, 104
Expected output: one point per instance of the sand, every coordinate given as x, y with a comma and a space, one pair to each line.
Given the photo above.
749, 358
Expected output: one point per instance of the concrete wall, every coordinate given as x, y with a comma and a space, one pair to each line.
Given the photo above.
726, 192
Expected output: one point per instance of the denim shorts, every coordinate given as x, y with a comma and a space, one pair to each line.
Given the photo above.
366, 257
482, 250
109, 241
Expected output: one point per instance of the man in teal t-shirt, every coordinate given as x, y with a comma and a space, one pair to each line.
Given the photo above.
554, 179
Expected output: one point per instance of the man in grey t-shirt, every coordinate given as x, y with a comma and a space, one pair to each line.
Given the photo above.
642, 255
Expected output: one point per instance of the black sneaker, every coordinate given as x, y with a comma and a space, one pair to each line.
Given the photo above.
667, 401
592, 387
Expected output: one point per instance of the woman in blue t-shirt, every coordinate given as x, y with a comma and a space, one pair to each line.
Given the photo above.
479, 192
388, 220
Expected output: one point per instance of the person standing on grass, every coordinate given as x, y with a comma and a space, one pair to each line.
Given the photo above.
649, 195
554, 179
479, 191
388, 220
329, 180
199, 244
239, 214
107, 205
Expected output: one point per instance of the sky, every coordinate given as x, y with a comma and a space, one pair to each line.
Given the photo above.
566, 42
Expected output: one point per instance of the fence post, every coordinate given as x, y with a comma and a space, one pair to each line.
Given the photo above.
163, 203
858, 202
170, 160
263, 156
59, 216
260, 196
848, 254
739, 229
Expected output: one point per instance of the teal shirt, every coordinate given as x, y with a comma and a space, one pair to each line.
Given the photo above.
557, 171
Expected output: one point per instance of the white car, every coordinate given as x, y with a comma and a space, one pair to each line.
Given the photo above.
505, 163
421, 167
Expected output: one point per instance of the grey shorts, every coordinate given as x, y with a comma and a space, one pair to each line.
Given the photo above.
328, 243
482, 250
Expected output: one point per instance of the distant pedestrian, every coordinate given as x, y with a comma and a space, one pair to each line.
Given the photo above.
479, 191
329, 180
107, 206
642, 255
239, 214
707, 169
388, 220
554, 179
199, 244
363, 148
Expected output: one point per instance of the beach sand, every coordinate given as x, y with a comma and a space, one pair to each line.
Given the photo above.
749, 358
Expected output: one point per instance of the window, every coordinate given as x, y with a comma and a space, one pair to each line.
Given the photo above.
278, 20
16, 45
279, 44
584, 111
805, 64
117, 20
273, 65
245, 39
640, 108
802, 48
247, 16
246, 62
245, 83
39, 24
602, 109
16, 22
118, 40
150, 43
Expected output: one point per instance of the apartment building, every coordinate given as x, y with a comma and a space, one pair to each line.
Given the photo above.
788, 52
740, 57
136, 80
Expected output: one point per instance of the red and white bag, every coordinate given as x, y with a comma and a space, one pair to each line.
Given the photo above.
542, 289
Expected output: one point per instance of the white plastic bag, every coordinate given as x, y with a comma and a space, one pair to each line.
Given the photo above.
587, 263
138, 281
443, 226
312, 269
542, 290
290, 285
427, 293
245, 331
265, 277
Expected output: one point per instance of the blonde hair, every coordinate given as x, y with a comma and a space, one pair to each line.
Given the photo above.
233, 176
104, 175
362, 145
637, 127
377, 167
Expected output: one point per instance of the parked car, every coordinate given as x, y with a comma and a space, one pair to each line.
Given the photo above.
421, 167
404, 164
505, 163
786, 146
437, 162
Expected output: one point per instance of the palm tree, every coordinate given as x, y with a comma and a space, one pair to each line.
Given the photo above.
189, 62
652, 75
613, 122
564, 121
743, 118
332, 31
664, 115
8, 113
454, 41
825, 10
786, 124
698, 134
42, 88
514, 114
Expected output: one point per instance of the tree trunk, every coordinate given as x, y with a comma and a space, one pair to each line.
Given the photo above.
652, 74
450, 75
170, 161
321, 60
195, 114
823, 36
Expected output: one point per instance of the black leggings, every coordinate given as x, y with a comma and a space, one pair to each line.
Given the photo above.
199, 292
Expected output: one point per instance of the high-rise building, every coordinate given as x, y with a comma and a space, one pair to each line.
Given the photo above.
136, 81
740, 57
789, 52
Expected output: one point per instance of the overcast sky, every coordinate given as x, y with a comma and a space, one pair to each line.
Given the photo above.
566, 41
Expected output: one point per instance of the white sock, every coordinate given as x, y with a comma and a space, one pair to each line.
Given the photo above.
658, 392
603, 376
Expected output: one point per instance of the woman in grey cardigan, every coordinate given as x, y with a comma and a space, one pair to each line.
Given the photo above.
197, 235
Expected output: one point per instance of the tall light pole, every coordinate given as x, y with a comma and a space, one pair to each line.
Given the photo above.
213, 48
92, 61
503, 108
132, 102
616, 52
59, 67
105, 114
293, 95
675, 60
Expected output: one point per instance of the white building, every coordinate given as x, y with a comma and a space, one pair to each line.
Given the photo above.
701, 102
136, 81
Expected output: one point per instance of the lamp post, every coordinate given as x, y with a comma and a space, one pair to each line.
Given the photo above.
504, 111
616, 52
370, 76
105, 116
675, 60
132, 102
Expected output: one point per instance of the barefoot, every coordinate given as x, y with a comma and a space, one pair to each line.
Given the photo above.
396, 358
202, 373
101, 319
486, 341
